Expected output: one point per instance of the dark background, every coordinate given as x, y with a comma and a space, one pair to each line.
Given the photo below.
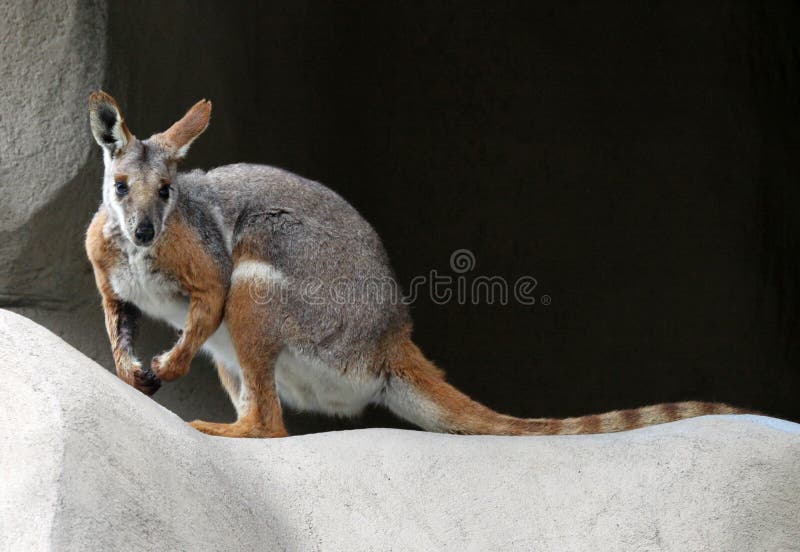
638, 159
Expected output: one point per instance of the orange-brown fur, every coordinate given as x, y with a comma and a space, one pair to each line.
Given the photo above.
229, 383
104, 256
188, 127
260, 414
181, 255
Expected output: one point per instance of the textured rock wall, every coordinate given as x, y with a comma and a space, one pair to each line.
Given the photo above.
639, 161
52, 53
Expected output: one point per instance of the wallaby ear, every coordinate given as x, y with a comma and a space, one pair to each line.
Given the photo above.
177, 138
108, 126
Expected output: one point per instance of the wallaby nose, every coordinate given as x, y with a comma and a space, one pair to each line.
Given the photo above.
144, 232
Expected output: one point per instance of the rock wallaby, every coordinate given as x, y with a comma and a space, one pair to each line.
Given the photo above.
251, 263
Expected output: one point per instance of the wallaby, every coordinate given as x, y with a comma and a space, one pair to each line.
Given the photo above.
227, 256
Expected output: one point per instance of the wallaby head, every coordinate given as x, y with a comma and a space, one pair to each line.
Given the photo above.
137, 182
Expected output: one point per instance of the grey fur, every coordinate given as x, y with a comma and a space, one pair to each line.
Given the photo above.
313, 237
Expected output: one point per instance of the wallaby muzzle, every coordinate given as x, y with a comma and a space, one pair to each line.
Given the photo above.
144, 233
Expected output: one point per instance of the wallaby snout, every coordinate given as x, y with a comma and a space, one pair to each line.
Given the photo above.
144, 232
141, 195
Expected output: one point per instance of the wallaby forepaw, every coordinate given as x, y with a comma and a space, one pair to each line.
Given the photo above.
167, 367
146, 381
131, 372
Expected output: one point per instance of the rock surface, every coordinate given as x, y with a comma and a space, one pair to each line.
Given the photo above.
51, 56
87, 463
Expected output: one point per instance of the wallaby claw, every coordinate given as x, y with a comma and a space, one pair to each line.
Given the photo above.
146, 381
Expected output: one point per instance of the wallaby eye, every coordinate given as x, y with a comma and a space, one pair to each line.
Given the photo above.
163, 192
121, 187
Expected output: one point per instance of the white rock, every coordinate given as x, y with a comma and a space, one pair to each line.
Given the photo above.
88, 463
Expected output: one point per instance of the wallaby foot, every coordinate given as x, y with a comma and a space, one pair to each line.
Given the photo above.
239, 428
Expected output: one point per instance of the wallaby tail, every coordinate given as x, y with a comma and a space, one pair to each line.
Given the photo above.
417, 391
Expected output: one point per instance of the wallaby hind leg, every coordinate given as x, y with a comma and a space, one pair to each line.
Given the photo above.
252, 331
232, 384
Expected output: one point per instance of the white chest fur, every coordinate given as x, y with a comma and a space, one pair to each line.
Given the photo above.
157, 295
136, 281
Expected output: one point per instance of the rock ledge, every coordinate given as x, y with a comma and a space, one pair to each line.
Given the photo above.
87, 463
